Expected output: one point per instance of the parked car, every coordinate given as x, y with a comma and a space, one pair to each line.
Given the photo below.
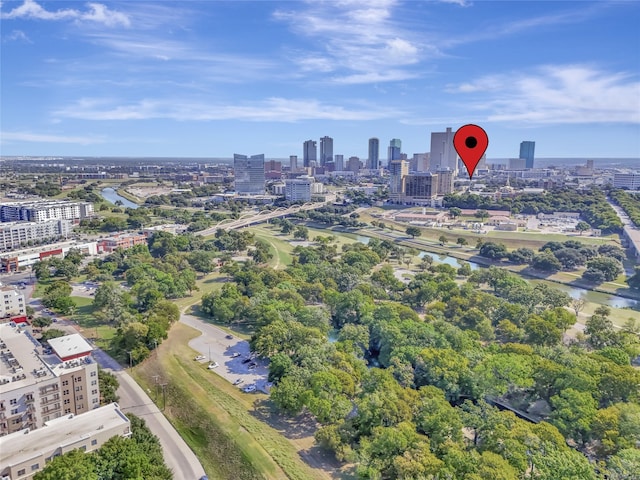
249, 389
238, 381
199, 358
213, 365
235, 355
229, 336
252, 367
246, 360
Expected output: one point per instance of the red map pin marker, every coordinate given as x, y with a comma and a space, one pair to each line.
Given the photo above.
470, 141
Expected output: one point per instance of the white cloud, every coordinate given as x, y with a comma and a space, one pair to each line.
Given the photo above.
95, 12
461, 3
274, 109
8, 137
555, 95
17, 36
360, 39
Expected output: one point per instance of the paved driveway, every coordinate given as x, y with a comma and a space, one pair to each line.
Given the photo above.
213, 342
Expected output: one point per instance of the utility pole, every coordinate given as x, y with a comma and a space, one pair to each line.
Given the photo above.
130, 359
156, 379
164, 396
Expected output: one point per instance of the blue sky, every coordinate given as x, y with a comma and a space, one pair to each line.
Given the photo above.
210, 79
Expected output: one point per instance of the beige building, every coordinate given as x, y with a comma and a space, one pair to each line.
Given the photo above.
23, 454
11, 303
40, 384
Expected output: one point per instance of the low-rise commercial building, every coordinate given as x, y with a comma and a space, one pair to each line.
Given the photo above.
25, 453
124, 241
12, 261
627, 181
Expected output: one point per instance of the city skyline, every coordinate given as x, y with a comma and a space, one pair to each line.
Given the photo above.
190, 79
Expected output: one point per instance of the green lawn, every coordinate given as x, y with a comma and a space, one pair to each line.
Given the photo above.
218, 421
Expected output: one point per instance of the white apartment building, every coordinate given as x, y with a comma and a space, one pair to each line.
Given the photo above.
23, 454
42, 211
298, 189
11, 302
19, 234
41, 384
628, 181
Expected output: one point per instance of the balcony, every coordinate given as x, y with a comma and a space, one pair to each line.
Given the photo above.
48, 400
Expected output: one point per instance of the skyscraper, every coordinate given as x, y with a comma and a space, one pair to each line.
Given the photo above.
527, 150
395, 148
249, 173
398, 170
373, 160
326, 150
443, 155
310, 153
293, 163
339, 161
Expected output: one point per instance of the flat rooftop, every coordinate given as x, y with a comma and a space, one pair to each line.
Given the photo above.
70, 345
20, 361
65, 431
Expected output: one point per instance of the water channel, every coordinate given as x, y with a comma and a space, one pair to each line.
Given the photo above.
112, 196
574, 292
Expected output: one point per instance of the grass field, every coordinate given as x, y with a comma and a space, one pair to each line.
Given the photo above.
219, 422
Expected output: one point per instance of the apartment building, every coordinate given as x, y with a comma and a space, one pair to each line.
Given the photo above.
23, 454
39, 384
20, 234
11, 303
42, 211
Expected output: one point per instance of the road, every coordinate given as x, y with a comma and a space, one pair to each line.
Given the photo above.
177, 454
215, 346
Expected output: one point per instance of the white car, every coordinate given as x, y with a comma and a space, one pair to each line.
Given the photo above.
213, 365
249, 389
199, 358
235, 355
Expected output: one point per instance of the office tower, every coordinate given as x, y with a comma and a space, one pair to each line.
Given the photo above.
420, 186
590, 164
398, 170
395, 148
249, 174
326, 150
443, 155
527, 150
293, 163
517, 164
354, 165
310, 153
339, 160
373, 160
445, 182
419, 162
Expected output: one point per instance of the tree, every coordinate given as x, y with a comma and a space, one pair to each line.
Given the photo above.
573, 413
414, 232
546, 262
461, 241
625, 465
634, 280
301, 232
582, 226
609, 267
442, 239
578, 304
108, 385
600, 331
73, 465
482, 214
494, 251
455, 212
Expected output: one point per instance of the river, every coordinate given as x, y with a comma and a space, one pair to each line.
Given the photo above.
112, 196
574, 292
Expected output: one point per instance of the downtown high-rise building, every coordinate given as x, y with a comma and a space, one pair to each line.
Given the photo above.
339, 163
373, 160
527, 151
293, 163
249, 174
394, 151
310, 153
443, 155
326, 150
398, 170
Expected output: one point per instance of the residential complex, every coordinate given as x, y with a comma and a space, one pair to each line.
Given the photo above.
40, 384
11, 303
25, 453
299, 189
21, 234
43, 211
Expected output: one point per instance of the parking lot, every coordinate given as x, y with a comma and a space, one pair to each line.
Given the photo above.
215, 347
